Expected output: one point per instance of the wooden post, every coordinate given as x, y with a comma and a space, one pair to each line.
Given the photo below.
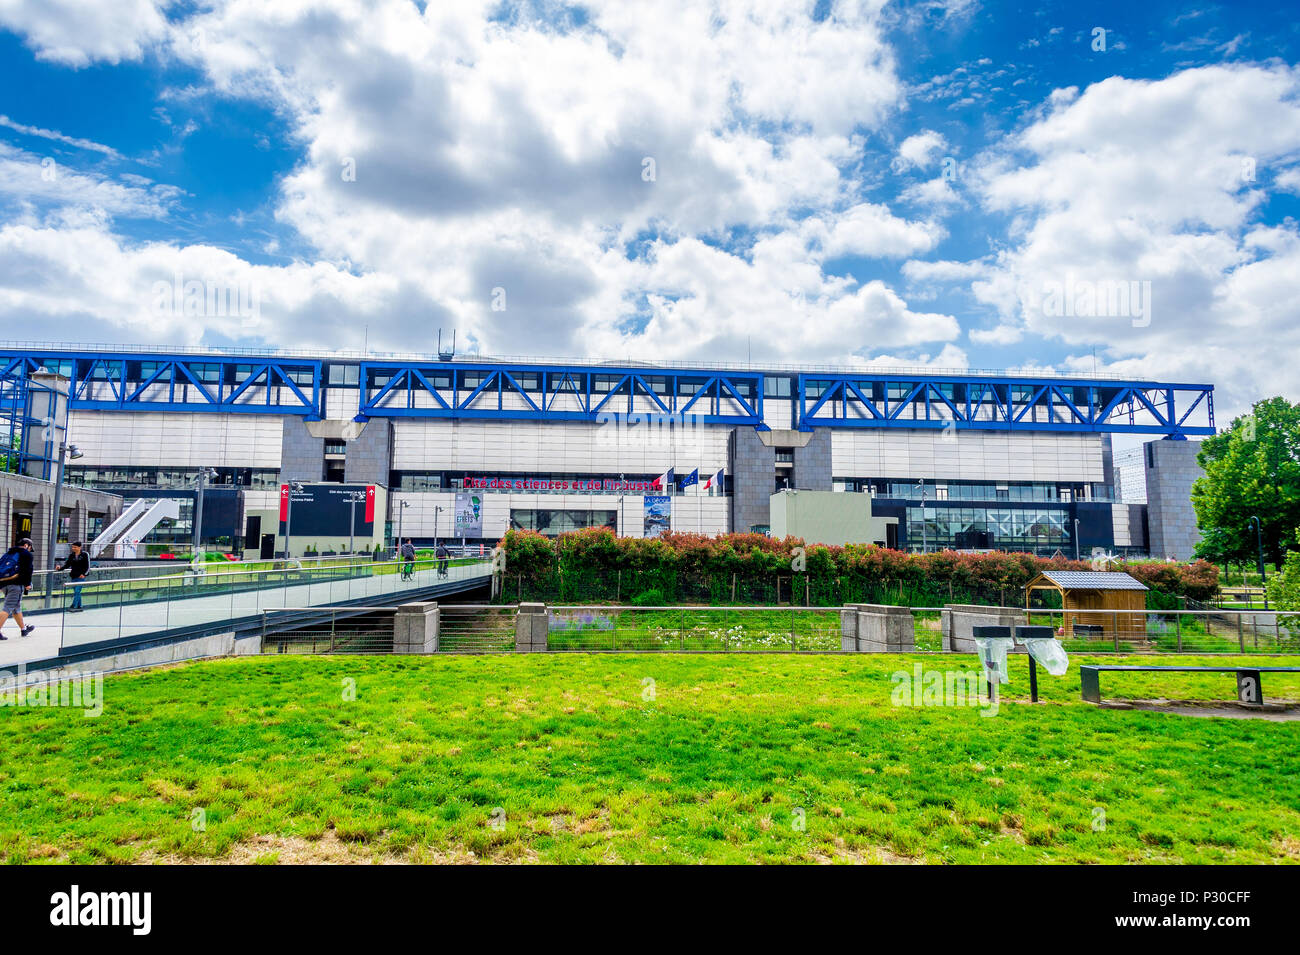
1241, 636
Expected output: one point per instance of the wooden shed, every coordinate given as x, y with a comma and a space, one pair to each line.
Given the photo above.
1098, 604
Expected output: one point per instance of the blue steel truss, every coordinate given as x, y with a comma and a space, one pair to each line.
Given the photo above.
489, 390
1003, 404
558, 393
147, 382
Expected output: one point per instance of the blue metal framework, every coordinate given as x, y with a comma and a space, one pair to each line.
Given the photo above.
1003, 404
146, 382
19, 426
558, 393
124, 381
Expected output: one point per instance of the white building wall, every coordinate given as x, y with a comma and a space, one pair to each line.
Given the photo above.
165, 439
967, 455
478, 447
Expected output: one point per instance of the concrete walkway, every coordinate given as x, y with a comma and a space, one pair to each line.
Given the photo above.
58, 631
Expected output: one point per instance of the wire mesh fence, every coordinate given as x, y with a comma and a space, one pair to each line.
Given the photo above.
489, 628
473, 628
722, 629
332, 630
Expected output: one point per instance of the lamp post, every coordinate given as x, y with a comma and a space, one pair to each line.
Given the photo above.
295, 487
921, 487
203, 476
436, 511
65, 451
1076, 538
353, 498
400, 508
1259, 543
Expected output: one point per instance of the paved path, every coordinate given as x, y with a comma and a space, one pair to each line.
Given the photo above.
57, 630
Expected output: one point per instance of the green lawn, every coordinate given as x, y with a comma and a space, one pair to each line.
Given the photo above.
578, 765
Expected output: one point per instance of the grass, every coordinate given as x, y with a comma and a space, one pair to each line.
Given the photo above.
578, 761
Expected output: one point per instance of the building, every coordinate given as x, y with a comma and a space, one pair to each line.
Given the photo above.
830, 518
468, 448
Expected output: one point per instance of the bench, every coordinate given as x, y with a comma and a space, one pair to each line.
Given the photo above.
1249, 689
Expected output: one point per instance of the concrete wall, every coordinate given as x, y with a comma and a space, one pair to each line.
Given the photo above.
827, 517
215, 645
1170, 470
877, 628
753, 479
370, 453
302, 454
21, 494
961, 619
812, 463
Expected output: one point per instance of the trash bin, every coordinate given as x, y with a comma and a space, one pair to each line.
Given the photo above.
992, 644
1043, 646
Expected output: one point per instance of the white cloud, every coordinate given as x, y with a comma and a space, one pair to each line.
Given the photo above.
80, 32
920, 150
37, 182
1142, 181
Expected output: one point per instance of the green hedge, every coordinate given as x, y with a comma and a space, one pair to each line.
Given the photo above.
594, 565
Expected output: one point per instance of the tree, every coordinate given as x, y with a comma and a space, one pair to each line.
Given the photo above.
1284, 588
1251, 470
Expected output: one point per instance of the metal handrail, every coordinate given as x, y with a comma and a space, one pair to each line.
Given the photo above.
593, 364
283, 570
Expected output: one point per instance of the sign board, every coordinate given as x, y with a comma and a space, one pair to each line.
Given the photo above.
658, 514
469, 515
329, 510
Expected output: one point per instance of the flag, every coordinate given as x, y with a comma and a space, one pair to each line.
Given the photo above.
692, 478
666, 480
714, 481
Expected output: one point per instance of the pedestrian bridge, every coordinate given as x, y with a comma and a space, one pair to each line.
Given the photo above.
120, 614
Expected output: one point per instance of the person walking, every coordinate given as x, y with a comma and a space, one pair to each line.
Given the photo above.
408, 560
442, 554
16, 578
77, 565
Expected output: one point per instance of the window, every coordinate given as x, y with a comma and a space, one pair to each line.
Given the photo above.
776, 387
344, 375
335, 446
554, 522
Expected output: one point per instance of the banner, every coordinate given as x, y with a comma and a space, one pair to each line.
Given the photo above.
284, 502
469, 515
370, 503
658, 514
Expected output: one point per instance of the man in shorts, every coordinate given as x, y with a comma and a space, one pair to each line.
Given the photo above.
17, 584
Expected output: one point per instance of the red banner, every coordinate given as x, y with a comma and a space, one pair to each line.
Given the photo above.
284, 502
370, 503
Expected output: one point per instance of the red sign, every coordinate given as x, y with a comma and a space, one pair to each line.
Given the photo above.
284, 502
600, 485
370, 503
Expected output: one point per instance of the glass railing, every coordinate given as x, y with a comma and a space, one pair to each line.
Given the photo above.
107, 611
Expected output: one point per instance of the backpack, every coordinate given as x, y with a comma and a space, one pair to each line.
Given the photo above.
9, 564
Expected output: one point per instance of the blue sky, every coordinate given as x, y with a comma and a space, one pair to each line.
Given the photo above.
904, 184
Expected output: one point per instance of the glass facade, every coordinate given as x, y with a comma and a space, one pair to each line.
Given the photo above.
1037, 529
1016, 491
553, 522
127, 477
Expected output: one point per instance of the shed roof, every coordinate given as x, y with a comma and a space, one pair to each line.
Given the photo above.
1093, 580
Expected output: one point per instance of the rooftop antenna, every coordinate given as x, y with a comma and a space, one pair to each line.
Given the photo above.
447, 354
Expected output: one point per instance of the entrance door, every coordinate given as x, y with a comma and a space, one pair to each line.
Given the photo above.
268, 547
22, 527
